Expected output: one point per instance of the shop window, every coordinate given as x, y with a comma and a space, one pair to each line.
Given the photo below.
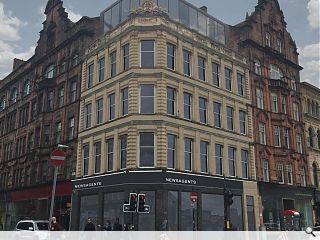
173, 213
186, 213
147, 221
88, 209
212, 212
250, 213
112, 207
236, 213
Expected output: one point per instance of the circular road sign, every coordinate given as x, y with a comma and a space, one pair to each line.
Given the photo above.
57, 157
193, 197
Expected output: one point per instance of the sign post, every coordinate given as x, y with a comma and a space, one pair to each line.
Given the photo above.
193, 198
57, 159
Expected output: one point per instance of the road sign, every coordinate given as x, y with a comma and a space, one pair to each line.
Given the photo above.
57, 158
193, 197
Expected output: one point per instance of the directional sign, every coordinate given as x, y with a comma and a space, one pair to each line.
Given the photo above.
57, 158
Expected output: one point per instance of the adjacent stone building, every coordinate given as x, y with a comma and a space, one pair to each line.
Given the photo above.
281, 154
165, 111
39, 106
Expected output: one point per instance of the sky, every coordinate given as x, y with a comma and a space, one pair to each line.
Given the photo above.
21, 22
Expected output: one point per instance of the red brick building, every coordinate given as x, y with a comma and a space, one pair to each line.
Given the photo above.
280, 151
39, 107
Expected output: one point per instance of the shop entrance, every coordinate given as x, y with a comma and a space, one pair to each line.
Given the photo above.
288, 204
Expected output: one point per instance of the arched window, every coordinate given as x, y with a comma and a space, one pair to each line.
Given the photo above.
257, 67
26, 88
74, 59
50, 71
310, 137
315, 175
2, 103
14, 95
268, 39
275, 72
293, 84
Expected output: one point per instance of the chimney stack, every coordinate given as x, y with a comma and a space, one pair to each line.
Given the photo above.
204, 8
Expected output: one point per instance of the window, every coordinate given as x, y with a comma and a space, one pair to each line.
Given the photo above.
284, 104
101, 69
188, 154
171, 51
230, 118
46, 136
286, 138
60, 99
250, 213
187, 62
171, 150
110, 154
262, 134
147, 99
202, 68
26, 88
57, 133
147, 54
203, 110
126, 57
265, 170
90, 75
289, 174
204, 156
74, 59
276, 136
85, 167
87, 115
241, 84
50, 71
303, 177
295, 108
216, 74
14, 95
228, 78
219, 159
280, 173
73, 91
123, 151
318, 133
113, 63
34, 109
268, 39
125, 101
99, 108
275, 72
232, 161
242, 119
245, 163
63, 66
257, 67
274, 103
146, 149
259, 98
293, 84
217, 114
299, 143
30, 142
187, 105
97, 159
2, 103
70, 128
171, 101
279, 45
112, 106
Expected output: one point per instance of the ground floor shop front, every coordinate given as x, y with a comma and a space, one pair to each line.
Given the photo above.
101, 198
34, 203
279, 199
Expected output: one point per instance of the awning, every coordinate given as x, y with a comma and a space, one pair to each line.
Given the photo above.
62, 189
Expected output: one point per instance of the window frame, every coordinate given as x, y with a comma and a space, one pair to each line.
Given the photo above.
147, 147
188, 106
172, 57
204, 110
141, 54
201, 68
143, 97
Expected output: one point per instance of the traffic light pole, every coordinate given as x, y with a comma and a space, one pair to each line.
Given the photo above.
193, 218
227, 222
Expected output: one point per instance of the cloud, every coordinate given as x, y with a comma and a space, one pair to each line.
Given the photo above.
74, 17
310, 61
313, 17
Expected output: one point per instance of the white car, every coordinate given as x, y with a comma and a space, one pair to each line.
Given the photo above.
32, 229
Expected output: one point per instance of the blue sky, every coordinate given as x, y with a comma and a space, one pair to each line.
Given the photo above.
20, 24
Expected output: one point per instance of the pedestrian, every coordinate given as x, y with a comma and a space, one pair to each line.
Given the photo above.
55, 226
317, 225
125, 227
117, 226
107, 226
89, 226
164, 225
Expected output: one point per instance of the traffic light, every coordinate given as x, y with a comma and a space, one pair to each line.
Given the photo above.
133, 202
141, 202
228, 198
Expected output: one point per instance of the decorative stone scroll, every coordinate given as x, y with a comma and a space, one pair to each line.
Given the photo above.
148, 8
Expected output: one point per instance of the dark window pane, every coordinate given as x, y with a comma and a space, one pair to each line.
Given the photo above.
212, 212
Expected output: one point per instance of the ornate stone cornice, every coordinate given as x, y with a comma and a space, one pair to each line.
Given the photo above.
148, 8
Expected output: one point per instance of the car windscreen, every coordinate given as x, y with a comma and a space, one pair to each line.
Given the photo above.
42, 225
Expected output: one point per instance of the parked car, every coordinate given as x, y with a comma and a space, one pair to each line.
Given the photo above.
31, 229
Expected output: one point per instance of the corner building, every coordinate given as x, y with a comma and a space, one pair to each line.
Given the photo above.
165, 111
279, 139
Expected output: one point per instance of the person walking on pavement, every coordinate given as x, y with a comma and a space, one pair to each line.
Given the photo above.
55, 226
106, 227
89, 226
117, 226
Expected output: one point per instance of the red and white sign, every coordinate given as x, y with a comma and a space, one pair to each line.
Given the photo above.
193, 197
57, 158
